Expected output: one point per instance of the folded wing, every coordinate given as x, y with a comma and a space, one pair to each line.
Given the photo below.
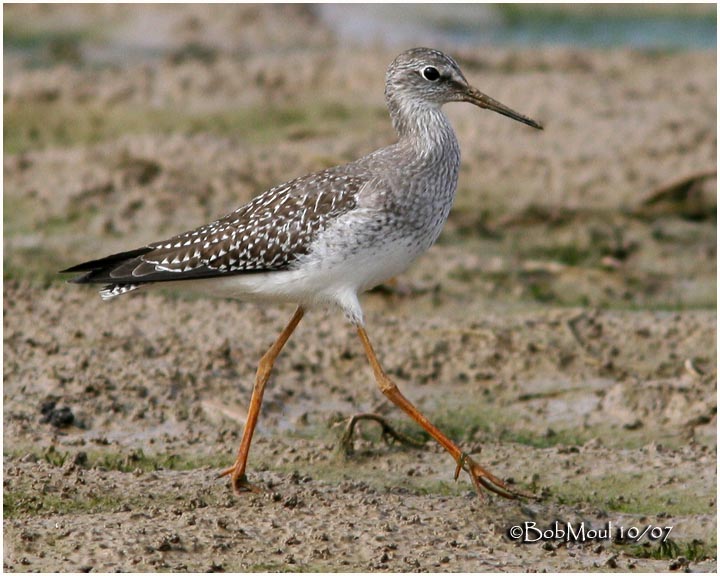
265, 235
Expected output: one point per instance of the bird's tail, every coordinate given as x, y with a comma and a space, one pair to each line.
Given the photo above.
105, 271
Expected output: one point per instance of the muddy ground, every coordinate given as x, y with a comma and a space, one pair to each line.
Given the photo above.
563, 329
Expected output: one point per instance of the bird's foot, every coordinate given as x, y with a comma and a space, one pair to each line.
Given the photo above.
389, 434
483, 480
239, 481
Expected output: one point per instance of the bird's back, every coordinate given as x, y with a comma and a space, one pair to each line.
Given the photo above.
267, 234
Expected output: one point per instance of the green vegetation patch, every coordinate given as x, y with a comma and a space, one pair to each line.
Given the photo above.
514, 12
467, 423
17, 503
23, 500
54, 123
633, 493
694, 550
122, 461
39, 264
47, 47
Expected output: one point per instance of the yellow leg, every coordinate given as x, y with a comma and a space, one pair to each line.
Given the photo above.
237, 470
481, 478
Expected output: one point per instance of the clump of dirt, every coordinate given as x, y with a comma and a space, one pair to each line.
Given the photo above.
562, 330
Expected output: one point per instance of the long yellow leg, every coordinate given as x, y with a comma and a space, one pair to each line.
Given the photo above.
237, 470
481, 478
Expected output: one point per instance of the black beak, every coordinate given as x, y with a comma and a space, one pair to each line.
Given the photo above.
476, 97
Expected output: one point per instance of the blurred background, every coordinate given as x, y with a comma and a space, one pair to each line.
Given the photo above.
565, 322
86, 32
653, 26
627, 93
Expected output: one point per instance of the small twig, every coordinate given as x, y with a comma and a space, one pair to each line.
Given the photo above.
692, 367
677, 188
389, 434
572, 327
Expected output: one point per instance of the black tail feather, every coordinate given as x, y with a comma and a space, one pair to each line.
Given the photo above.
99, 270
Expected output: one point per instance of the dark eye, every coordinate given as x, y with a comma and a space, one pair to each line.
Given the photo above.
431, 74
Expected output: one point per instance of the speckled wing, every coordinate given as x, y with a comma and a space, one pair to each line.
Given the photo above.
265, 235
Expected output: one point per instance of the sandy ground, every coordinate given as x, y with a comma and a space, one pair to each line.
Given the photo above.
563, 330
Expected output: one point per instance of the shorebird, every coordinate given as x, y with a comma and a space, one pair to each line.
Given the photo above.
326, 237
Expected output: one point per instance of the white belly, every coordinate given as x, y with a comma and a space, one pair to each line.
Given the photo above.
342, 264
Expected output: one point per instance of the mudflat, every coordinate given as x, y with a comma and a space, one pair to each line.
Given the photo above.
563, 329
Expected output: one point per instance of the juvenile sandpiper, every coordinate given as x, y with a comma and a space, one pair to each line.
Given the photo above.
326, 237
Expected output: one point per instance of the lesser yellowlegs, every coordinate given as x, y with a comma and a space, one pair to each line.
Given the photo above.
326, 237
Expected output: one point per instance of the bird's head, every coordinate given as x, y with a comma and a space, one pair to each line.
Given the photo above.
427, 76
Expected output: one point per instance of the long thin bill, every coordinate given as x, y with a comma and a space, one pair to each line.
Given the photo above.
484, 101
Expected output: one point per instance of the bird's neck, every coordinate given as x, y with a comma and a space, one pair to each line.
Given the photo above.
425, 129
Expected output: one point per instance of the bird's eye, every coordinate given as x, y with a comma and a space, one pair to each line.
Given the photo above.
431, 73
